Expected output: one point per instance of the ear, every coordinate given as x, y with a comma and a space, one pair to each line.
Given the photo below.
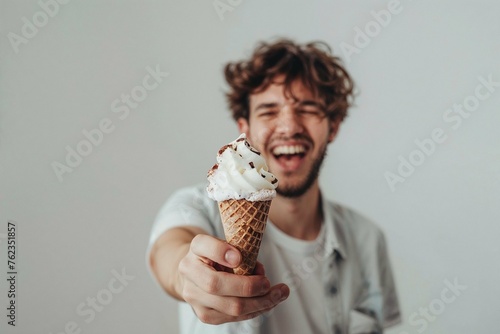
243, 125
334, 129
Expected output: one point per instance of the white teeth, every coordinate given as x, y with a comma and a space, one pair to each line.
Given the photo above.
294, 149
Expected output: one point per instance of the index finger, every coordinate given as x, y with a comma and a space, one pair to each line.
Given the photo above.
221, 283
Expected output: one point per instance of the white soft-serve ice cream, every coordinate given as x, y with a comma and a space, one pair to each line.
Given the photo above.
241, 173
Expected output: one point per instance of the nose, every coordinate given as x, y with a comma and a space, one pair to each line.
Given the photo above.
288, 122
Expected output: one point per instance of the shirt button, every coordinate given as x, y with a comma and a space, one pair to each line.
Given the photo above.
333, 289
336, 329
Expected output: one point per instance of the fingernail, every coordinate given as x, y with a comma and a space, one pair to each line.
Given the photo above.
232, 257
284, 293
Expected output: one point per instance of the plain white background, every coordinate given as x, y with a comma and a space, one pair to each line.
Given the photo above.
442, 223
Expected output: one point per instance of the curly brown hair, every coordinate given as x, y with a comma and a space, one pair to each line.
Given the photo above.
313, 64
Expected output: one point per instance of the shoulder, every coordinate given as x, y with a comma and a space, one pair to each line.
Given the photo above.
194, 197
189, 192
188, 206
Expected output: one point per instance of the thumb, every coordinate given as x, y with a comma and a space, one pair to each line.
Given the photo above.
215, 250
232, 256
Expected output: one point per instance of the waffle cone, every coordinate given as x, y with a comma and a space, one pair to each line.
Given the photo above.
244, 224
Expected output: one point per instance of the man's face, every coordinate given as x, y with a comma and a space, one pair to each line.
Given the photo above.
291, 133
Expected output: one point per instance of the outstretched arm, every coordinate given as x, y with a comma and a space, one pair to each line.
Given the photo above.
193, 267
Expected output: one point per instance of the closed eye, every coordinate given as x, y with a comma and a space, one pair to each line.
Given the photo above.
310, 111
267, 113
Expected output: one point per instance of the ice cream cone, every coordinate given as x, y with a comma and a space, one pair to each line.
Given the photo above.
244, 224
244, 187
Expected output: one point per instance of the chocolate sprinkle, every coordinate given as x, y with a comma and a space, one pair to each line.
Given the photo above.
223, 148
251, 164
254, 150
212, 170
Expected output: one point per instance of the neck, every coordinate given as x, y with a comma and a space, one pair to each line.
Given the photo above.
299, 217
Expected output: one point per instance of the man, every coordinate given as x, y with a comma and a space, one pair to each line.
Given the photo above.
323, 268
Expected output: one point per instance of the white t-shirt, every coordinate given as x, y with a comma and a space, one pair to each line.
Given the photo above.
340, 283
283, 257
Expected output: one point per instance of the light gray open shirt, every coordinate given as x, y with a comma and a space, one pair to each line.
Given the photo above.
340, 283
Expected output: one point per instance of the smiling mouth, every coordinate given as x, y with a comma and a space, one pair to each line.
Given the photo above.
289, 156
289, 150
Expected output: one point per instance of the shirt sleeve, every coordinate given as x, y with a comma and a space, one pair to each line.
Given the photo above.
391, 314
377, 297
381, 295
186, 207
